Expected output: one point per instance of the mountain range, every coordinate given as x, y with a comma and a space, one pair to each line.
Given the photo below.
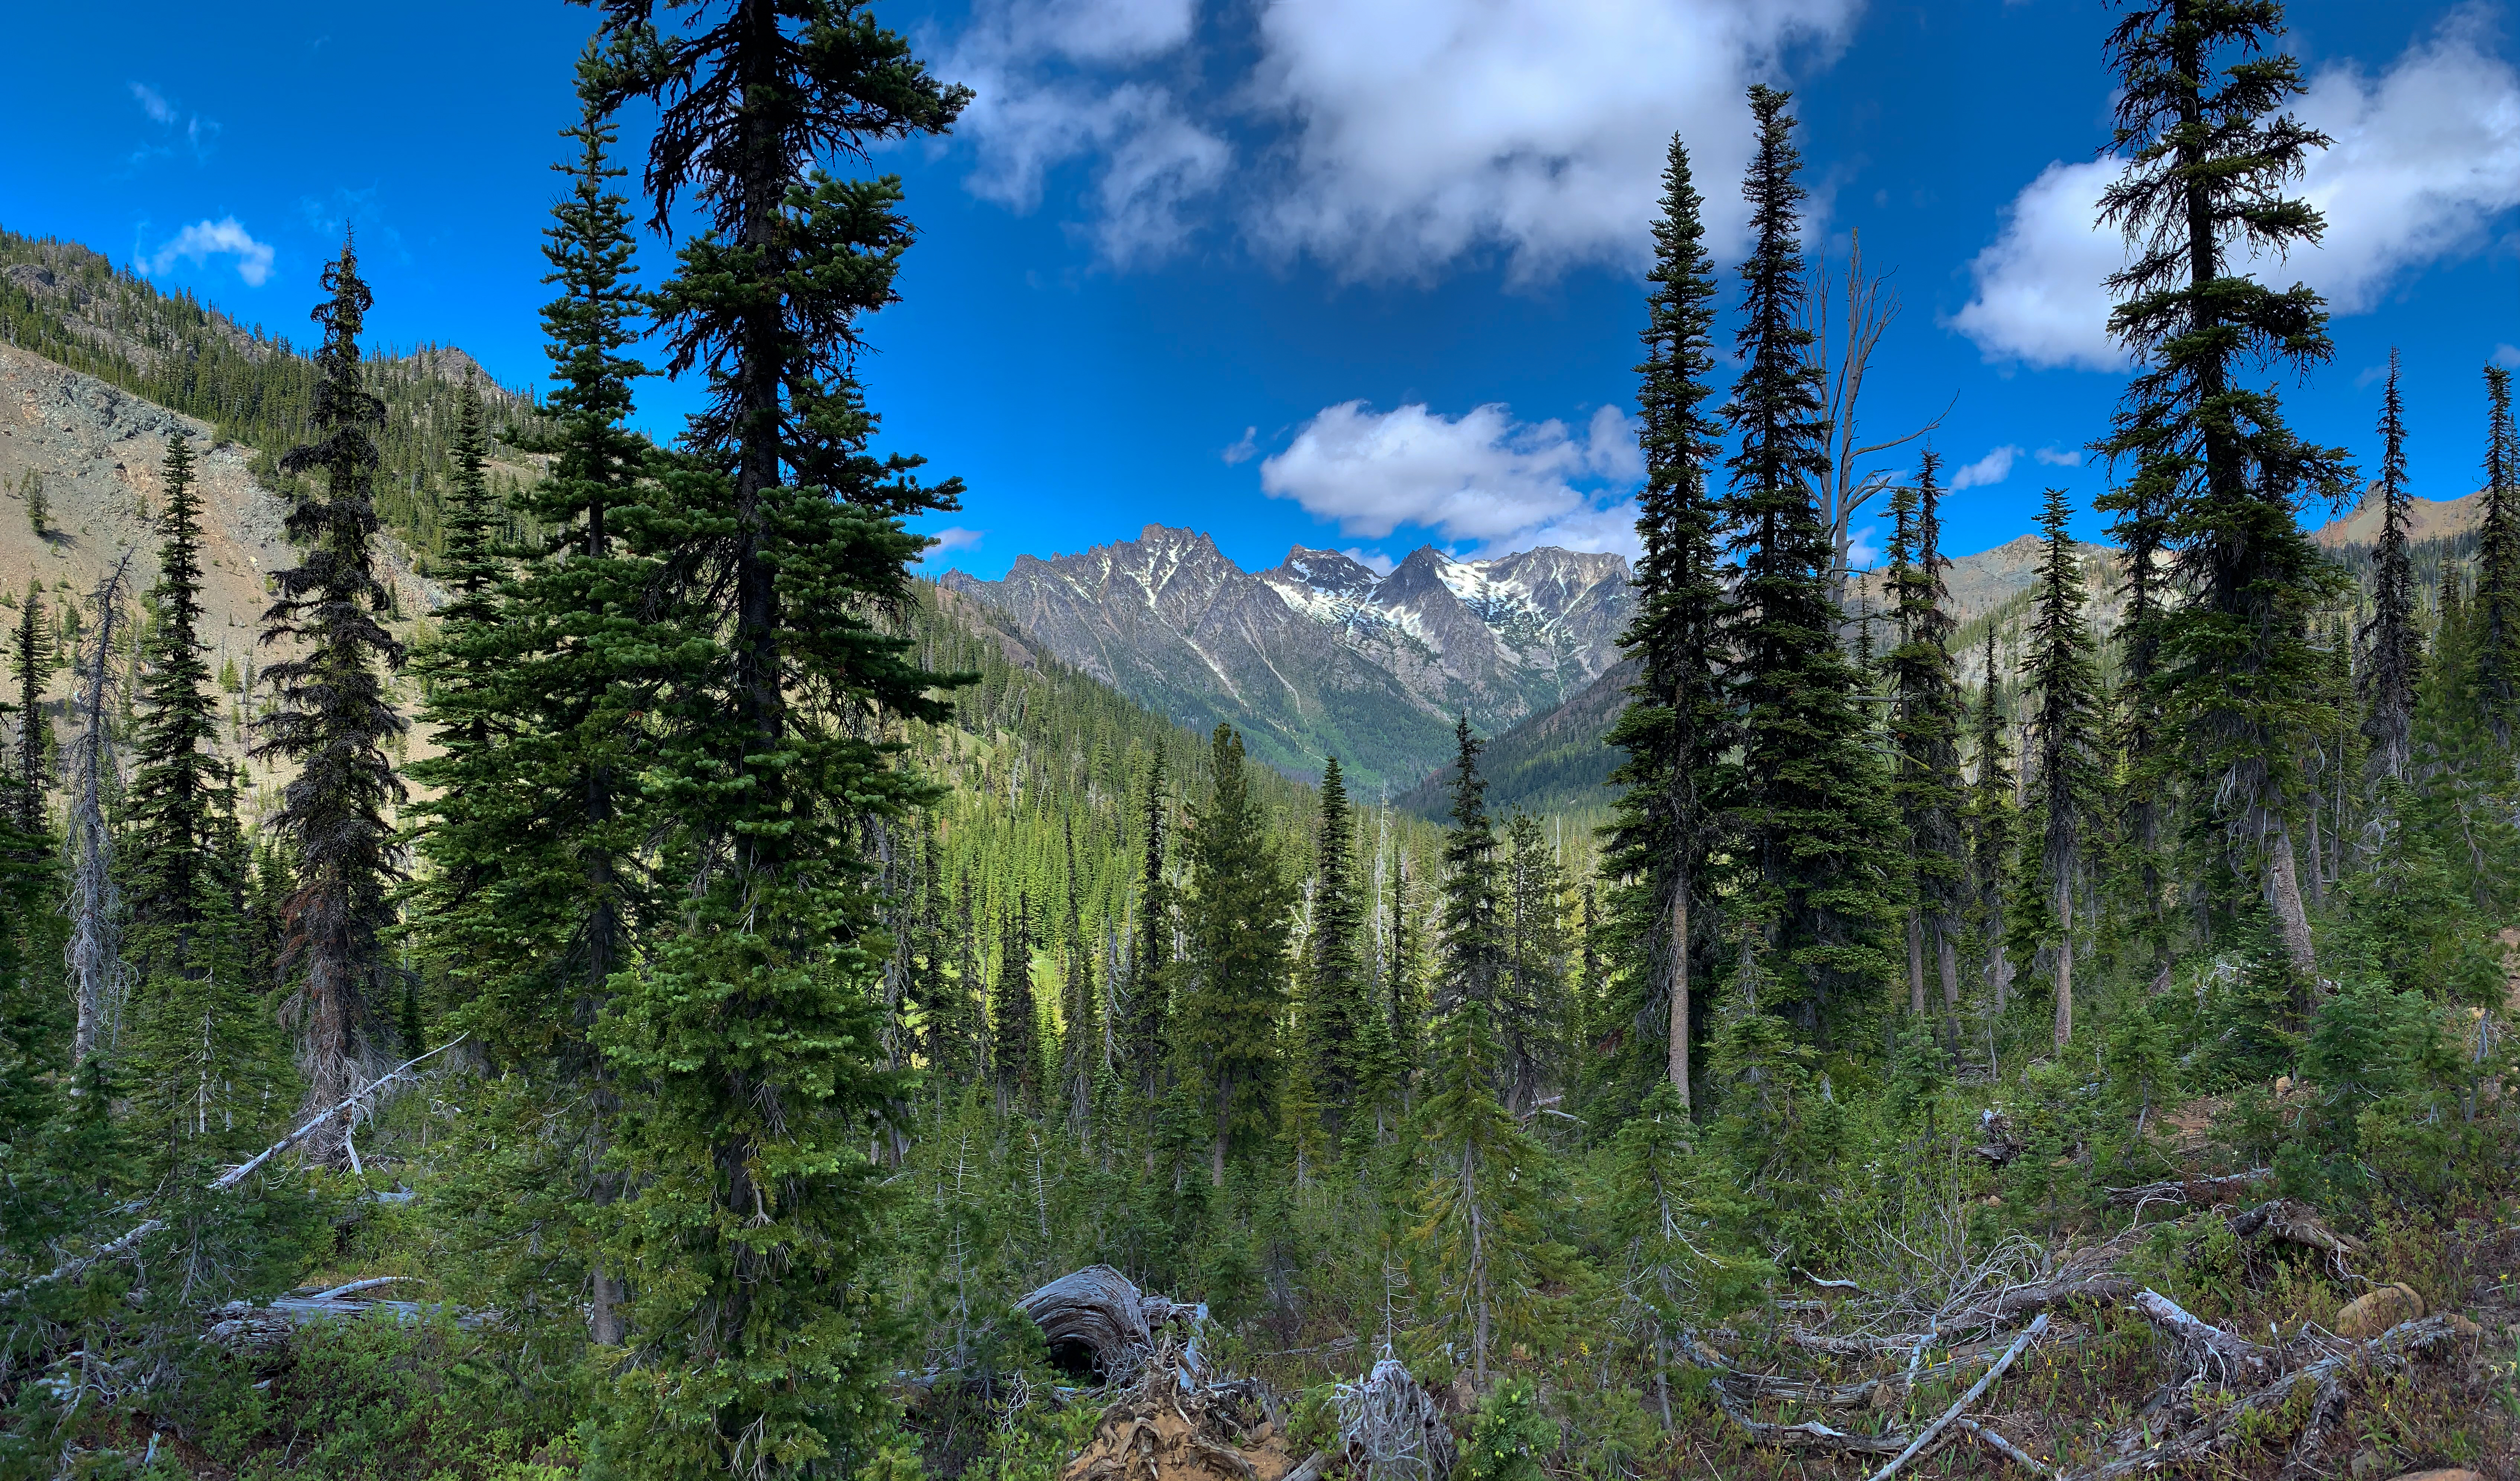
1322, 656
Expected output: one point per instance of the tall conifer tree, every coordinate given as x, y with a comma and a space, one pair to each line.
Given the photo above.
1991, 825
1239, 929
748, 1041
27, 651
2208, 153
2066, 795
1473, 949
1674, 728
2396, 648
2496, 610
1334, 988
1810, 818
332, 716
204, 1065
1924, 740
1150, 962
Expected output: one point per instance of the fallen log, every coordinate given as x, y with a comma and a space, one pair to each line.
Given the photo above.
1995, 1441
2389, 1351
2222, 1188
2296, 1223
1978, 1390
2206, 1350
2044, 1295
1092, 1320
226, 1182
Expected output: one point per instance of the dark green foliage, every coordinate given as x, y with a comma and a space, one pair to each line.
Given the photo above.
26, 659
209, 1073
1532, 1011
1814, 833
2209, 151
332, 715
2066, 795
2497, 561
1473, 959
1335, 1004
2396, 647
1014, 1013
1235, 922
1676, 729
1924, 740
747, 1045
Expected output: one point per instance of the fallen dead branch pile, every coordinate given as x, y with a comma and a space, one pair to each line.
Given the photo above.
1160, 1430
1984, 1316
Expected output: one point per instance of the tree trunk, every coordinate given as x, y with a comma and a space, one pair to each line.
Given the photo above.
1915, 963
2285, 892
2065, 965
1678, 1067
1946, 962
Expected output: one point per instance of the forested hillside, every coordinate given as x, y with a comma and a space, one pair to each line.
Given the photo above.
705, 1002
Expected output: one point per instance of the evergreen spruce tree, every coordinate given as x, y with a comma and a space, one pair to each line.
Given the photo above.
1675, 730
1334, 999
1472, 958
1814, 829
2497, 562
1017, 1013
2207, 155
332, 716
2394, 647
1924, 742
746, 1044
1478, 1229
205, 1067
533, 832
1150, 962
1238, 927
27, 649
2066, 795
1990, 827
1531, 1008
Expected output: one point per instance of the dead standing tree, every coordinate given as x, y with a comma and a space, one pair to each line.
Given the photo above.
95, 950
1843, 346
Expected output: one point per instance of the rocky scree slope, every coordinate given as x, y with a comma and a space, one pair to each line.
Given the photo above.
1319, 655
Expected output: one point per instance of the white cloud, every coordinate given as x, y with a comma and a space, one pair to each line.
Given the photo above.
1374, 561
953, 537
1428, 129
225, 237
2425, 155
2059, 457
1244, 449
1863, 553
1396, 136
1042, 76
1479, 476
1993, 468
152, 103
2507, 356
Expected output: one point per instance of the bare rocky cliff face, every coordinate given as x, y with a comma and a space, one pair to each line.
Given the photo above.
1319, 655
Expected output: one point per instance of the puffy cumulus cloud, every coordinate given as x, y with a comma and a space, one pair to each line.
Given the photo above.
1048, 86
1389, 138
1481, 476
1426, 129
1993, 468
203, 240
1374, 561
2425, 155
2059, 457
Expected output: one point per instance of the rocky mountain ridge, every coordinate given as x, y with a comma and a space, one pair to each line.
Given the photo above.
1322, 656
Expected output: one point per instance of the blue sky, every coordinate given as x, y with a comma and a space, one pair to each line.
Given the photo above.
1351, 273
